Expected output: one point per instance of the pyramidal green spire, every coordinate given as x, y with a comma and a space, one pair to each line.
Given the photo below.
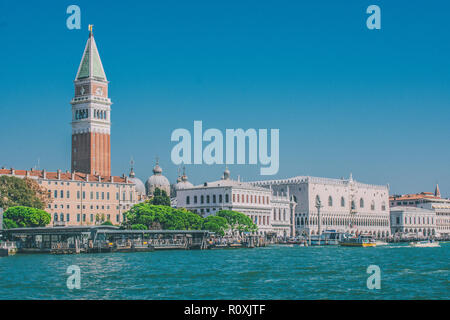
91, 65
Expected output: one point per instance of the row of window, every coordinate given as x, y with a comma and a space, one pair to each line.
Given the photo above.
265, 221
424, 231
208, 198
80, 216
250, 199
89, 184
81, 114
99, 114
420, 220
279, 214
98, 195
353, 205
236, 198
91, 207
343, 221
405, 203
84, 114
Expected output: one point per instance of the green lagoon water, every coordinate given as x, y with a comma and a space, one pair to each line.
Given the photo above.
275, 272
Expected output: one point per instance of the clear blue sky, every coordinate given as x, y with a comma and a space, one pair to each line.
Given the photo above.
346, 99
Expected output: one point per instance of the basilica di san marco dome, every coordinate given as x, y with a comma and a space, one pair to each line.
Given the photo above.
182, 182
139, 185
157, 180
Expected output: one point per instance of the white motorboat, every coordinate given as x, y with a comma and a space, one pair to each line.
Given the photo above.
424, 244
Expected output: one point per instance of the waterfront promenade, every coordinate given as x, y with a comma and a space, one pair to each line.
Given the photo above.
99, 239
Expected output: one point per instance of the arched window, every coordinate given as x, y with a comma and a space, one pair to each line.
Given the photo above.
220, 198
227, 198
372, 205
383, 206
207, 199
202, 199
187, 200
353, 205
330, 201
195, 199
284, 214
274, 215
361, 203
342, 202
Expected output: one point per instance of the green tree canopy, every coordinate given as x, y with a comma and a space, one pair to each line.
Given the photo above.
238, 221
215, 224
22, 192
138, 227
20, 216
145, 215
160, 198
162, 217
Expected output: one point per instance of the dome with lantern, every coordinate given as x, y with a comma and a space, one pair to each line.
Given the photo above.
139, 185
182, 182
157, 180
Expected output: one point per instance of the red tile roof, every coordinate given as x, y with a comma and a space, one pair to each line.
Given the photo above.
67, 176
414, 196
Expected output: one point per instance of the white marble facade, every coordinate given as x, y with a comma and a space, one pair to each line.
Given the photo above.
272, 213
346, 205
414, 220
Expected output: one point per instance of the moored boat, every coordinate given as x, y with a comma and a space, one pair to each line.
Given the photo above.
425, 244
358, 241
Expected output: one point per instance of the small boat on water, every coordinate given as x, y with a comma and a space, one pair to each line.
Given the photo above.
358, 241
381, 243
328, 237
425, 244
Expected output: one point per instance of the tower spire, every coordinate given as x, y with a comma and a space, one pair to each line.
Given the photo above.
131, 175
91, 66
437, 192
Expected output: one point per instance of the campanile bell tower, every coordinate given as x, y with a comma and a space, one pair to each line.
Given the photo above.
91, 111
